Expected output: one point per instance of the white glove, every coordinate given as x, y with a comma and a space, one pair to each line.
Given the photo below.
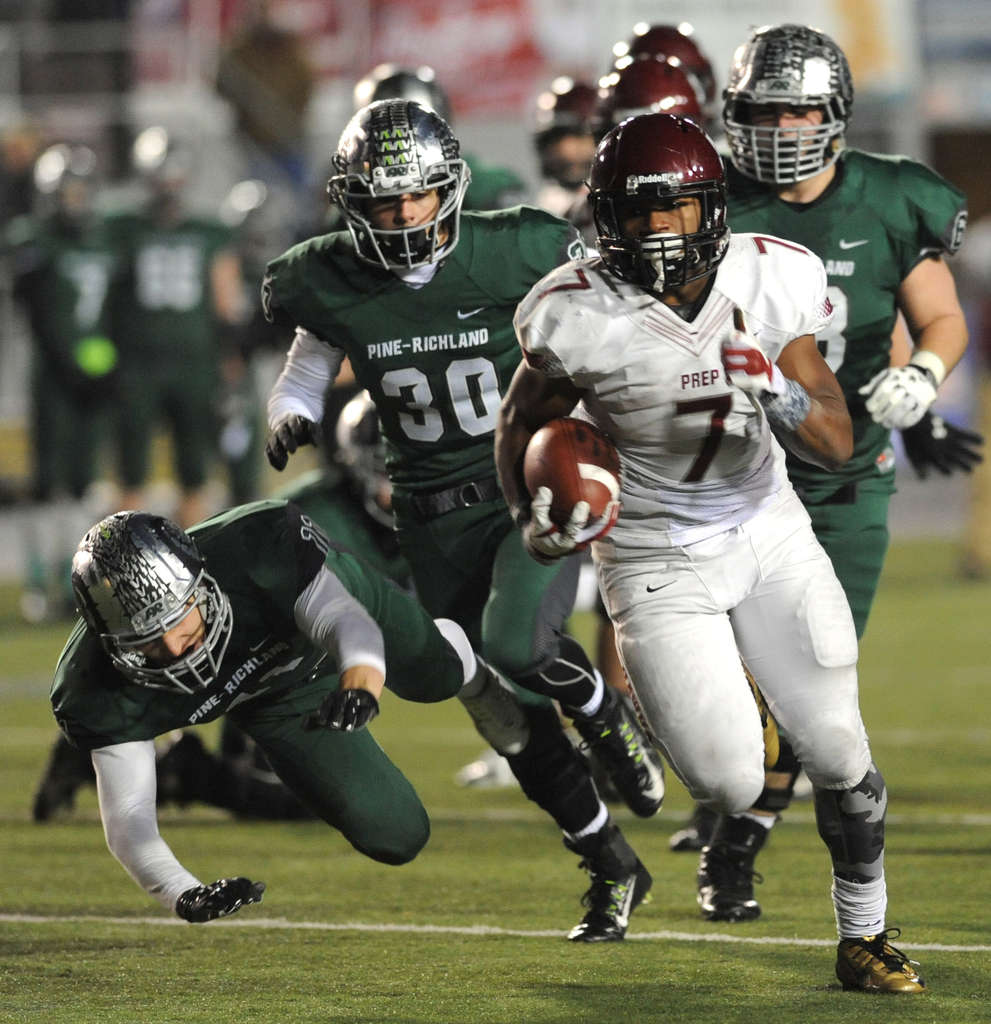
546, 541
898, 397
745, 364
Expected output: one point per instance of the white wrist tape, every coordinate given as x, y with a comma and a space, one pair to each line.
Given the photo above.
926, 360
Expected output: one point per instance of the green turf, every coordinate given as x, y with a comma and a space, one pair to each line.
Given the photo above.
495, 863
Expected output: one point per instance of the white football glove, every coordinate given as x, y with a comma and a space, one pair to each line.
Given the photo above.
745, 364
546, 541
898, 397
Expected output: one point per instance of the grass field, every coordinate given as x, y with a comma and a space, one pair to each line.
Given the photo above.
472, 930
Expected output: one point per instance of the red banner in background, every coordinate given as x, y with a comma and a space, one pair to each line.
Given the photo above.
483, 51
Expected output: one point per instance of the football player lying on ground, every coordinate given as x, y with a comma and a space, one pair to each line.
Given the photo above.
257, 615
688, 345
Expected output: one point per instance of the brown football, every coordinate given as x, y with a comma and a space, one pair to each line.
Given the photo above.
577, 461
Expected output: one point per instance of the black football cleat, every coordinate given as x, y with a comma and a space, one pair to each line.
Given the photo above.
67, 770
614, 735
620, 883
726, 874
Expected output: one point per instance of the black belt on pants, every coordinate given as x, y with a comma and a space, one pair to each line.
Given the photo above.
437, 503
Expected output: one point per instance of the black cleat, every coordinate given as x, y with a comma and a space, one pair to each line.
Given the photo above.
696, 833
620, 883
618, 741
726, 873
67, 770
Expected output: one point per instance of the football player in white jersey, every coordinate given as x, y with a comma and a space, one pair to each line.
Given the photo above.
695, 350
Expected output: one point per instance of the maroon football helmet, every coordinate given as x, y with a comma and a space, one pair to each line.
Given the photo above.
565, 110
671, 41
645, 87
646, 162
567, 106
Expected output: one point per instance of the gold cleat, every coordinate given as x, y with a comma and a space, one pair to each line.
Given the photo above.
872, 964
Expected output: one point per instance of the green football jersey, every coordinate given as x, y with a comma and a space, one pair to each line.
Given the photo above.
63, 278
328, 498
877, 220
164, 302
263, 556
437, 359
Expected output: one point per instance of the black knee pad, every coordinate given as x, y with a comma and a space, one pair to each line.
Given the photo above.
569, 677
777, 800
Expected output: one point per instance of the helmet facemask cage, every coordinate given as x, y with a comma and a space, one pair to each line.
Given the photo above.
137, 576
661, 261
389, 149
799, 67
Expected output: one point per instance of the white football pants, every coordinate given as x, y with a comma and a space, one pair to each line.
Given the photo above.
765, 591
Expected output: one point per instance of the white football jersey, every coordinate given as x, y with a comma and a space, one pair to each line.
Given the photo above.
698, 455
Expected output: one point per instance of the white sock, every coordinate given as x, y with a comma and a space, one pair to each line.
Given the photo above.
859, 907
595, 825
764, 820
594, 703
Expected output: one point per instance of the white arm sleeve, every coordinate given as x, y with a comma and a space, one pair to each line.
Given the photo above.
126, 786
310, 366
338, 623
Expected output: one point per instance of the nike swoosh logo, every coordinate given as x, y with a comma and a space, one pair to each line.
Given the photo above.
623, 917
654, 590
853, 245
260, 644
471, 312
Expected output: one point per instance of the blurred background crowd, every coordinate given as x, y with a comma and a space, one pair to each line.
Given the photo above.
157, 153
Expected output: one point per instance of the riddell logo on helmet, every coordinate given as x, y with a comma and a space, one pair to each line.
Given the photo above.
634, 181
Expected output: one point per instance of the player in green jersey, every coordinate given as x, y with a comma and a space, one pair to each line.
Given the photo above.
349, 500
255, 614
882, 227
61, 262
180, 289
420, 298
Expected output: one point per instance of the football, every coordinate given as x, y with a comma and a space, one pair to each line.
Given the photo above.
577, 461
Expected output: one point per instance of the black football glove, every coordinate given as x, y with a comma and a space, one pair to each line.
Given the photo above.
344, 710
287, 437
220, 898
933, 442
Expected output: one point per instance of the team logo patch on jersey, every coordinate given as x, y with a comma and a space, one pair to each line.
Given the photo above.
957, 232
576, 250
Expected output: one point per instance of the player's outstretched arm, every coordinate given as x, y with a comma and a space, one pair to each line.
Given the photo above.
126, 787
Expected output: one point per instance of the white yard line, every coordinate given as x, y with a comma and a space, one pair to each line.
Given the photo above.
471, 930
